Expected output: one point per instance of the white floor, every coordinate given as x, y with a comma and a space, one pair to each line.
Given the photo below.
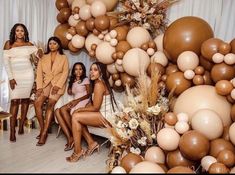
25, 156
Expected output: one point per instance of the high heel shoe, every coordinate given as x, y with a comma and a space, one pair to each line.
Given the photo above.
38, 137
75, 157
41, 141
12, 136
91, 150
69, 147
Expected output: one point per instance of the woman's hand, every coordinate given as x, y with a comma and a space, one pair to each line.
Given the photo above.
12, 84
55, 90
39, 92
72, 104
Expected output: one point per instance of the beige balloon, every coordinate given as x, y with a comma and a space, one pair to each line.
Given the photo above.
78, 41
187, 60
111, 68
110, 4
159, 42
208, 123
70, 1
91, 39
98, 8
232, 133
203, 97
232, 171
73, 22
78, 3
155, 154
85, 12
207, 161
146, 167
229, 58
218, 58
104, 52
159, 57
119, 170
138, 36
181, 127
168, 139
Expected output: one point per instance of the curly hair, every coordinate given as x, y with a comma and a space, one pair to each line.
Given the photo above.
13, 32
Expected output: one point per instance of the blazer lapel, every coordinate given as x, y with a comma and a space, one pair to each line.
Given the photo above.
56, 62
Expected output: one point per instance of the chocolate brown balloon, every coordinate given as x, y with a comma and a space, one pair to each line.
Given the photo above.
152, 44
72, 31
225, 135
222, 71
230, 99
232, 113
210, 47
164, 77
232, 44
220, 144
61, 4
207, 78
90, 24
76, 10
177, 82
170, 118
102, 22
81, 28
60, 32
114, 56
189, 33
127, 79
199, 70
120, 54
226, 157
171, 69
96, 32
144, 46
121, 32
63, 15
218, 168
72, 49
156, 68
198, 80
115, 77
113, 22
123, 46
223, 87
180, 169
193, 145
129, 161
224, 48
205, 63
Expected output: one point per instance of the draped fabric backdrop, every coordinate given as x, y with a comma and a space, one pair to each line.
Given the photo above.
39, 16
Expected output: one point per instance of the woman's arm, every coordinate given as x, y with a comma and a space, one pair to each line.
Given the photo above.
7, 63
39, 77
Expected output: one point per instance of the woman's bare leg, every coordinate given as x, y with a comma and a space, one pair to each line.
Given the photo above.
13, 119
24, 111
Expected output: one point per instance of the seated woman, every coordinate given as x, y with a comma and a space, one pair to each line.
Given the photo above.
79, 88
52, 73
98, 113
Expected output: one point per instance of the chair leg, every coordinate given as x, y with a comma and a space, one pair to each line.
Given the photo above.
58, 132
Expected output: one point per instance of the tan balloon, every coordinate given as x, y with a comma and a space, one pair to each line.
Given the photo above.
208, 123
127, 79
222, 71
210, 47
73, 49
104, 53
102, 22
198, 80
98, 8
81, 28
226, 157
232, 133
159, 42
61, 31
91, 39
224, 87
171, 68
199, 70
205, 63
170, 118
129, 161
180, 169
110, 4
203, 97
111, 68
155, 154
229, 58
85, 12
146, 167
72, 22
61, 4
121, 32
218, 168
155, 68
220, 144
123, 46
78, 41
160, 57
224, 48
187, 60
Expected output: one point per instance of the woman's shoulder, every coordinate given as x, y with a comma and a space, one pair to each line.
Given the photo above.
7, 45
86, 81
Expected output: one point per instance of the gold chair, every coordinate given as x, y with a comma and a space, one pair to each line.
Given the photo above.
4, 116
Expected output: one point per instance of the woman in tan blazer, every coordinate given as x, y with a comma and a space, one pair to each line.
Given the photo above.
52, 73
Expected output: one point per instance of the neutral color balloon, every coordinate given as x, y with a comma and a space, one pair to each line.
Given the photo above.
226, 157
170, 118
171, 69
232, 44
81, 28
146, 167
102, 22
159, 42
121, 32
91, 39
205, 63
180, 169
72, 21
85, 12
61, 4
229, 58
198, 80
189, 74
220, 144
160, 57
98, 8
222, 71
232, 133
207, 161
63, 15
210, 47
119, 170
123, 46
104, 53
127, 79
155, 68
218, 168
181, 127
78, 41
183, 117
129, 161
218, 58
78, 3
199, 70
72, 48
61, 31
203, 97
155, 154
224, 48
223, 87
187, 60
110, 4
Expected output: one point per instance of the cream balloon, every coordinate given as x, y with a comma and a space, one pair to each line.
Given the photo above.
98, 8
187, 60
189, 74
181, 127
119, 61
150, 51
183, 117
118, 82
119, 170
233, 94
78, 3
85, 12
110, 4
101, 36
113, 33
70, 1
232, 133
218, 58
111, 68
229, 58
159, 42
155, 154
72, 22
119, 67
107, 37
208, 123
169, 126
207, 161
91, 39
159, 57
104, 52
69, 36
78, 41
113, 42
146, 167
76, 16
168, 139
138, 36
203, 97
135, 62
232, 171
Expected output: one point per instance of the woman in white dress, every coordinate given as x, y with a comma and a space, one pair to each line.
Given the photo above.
20, 72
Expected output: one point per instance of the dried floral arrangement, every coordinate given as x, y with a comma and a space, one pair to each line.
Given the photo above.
150, 14
135, 128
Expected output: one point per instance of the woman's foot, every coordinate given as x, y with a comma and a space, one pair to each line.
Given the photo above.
69, 146
42, 140
38, 137
12, 136
92, 148
76, 156
21, 131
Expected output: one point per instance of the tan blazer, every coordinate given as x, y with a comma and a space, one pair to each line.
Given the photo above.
56, 75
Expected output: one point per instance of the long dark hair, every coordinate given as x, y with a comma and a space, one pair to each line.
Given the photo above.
13, 33
102, 68
73, 76
54, 38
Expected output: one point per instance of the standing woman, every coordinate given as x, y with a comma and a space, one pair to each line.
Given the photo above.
79, 88
20, 72
52, 73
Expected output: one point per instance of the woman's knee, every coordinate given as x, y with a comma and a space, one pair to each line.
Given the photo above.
64, 109
38, 103
15, 102
51, 103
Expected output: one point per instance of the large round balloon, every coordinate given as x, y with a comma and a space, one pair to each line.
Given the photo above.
104, 53
61, 4
91, 39
110, 4
60, 32
63, 15
155, 154
210, 47
146, 167
203, 97
129, 161
219, 145
186, 34
232, 44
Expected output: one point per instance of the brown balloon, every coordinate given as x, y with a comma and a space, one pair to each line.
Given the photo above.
226, 157
64, 15
93, 46
189, 33
61, 4
129, 161
73, 49
120, 54
155, 68
152, 44
72, 31
220, 144
144, 46
127, 79
81, 28
123, 46
170, 118
92, 53
193, 145
225, 135
162, 84
223, 87
121, 32
222, 71
199, 70
163, 166
207, 78
232, 44
113, 22
171, 69
210, 47
102, 22
60, 32
224, 48
164, 77
198, 80
115, 77
230, 99
180, 169
177, 82
96, 32
218, 168
90, 24
232, 113
114, 56
175, 158
205, 63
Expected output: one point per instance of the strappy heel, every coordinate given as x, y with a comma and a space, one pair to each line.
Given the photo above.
75, 157
69, 147
40, 143
93, 149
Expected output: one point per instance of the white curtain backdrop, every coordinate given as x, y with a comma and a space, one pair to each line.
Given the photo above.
39, 16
